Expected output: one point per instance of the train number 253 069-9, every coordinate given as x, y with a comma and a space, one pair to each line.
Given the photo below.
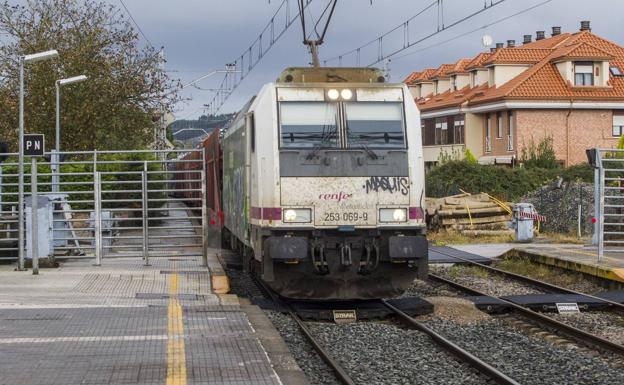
346, 217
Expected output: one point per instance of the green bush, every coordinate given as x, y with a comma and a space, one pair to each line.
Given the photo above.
508, 183
541, 155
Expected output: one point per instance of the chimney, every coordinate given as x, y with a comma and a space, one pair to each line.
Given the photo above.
511, 43
556, 31
500, 45
527, 39
540, 35
492, 49
585, 25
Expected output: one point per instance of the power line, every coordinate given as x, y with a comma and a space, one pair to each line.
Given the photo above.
136, 24
407, 43
406, 23
498, 21
238, 69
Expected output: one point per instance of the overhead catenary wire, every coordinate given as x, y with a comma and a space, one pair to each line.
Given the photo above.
136, 24
381, 56
250, 57
463, 34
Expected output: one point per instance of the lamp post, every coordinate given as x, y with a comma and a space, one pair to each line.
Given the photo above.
56, 158
35, 57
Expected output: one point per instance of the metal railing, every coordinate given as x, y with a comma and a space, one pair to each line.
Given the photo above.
488, 144
510, 143
609, 185
107, 204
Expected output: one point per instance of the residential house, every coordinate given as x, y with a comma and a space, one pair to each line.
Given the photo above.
569, 86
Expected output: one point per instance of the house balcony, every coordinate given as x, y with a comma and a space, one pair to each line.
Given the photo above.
432, 153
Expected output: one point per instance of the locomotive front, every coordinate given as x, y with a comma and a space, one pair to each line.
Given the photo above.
347, 218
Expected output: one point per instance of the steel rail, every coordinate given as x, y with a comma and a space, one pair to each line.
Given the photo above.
340, 372
541, 284
571, 331
448, 345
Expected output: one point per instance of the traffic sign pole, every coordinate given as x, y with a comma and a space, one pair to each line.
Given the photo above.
34, 239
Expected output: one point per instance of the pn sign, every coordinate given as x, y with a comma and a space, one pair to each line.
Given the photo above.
34, 145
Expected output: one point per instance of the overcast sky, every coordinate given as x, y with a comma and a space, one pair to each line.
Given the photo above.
203, 35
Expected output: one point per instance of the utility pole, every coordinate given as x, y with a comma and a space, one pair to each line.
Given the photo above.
160, 129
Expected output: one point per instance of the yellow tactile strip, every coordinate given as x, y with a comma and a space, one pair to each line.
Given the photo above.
176, 356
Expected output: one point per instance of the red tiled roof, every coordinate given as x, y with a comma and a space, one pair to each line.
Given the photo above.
460, 66
582, 51
517, 56
549, 43
450, 99
477, 61
442, 71
411, 77
542, 81
422, 76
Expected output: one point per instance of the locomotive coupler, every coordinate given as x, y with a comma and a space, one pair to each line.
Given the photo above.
319, 261
370, 258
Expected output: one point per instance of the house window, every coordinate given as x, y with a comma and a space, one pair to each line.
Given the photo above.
615, 71
442, 132
473, 79
454, 83
429, 132
583, 74
618, 125
499, 125
458, 128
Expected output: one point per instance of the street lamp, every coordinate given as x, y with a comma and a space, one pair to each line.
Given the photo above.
32, 58
56, 158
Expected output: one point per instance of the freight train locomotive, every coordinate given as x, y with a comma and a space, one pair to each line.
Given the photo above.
322, 188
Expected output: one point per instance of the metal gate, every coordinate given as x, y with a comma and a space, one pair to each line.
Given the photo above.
609, 200
105, 204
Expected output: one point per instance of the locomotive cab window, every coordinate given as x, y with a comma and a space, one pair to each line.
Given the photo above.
308, 124
375, 124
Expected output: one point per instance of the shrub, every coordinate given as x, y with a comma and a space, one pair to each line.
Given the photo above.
469, 157
509, 183
541, 155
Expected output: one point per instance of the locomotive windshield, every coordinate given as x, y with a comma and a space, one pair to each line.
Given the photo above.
341, 125
375, 124
308, 124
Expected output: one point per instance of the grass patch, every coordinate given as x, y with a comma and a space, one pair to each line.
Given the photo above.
451, 237
524, 266
457, 271
568, 238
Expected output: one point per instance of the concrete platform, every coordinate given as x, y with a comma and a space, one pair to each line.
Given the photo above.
125, 323
579, 258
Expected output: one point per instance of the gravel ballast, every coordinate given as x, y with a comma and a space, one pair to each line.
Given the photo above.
489, 283
308, 360
379, 353
609, 326
528, 359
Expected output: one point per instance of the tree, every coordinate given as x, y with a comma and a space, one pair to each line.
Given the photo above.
126, 87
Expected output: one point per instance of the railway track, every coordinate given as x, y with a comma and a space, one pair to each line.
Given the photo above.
472, 361
577, 334
340, 373
545, 286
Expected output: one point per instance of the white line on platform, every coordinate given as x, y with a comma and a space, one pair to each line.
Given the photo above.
31, 340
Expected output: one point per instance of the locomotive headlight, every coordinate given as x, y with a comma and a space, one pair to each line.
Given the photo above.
333, 94
346, 94
392, 215
297, 215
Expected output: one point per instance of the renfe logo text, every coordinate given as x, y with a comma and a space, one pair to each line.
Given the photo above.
341, 196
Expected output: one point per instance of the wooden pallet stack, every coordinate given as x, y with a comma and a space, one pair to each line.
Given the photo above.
471, 215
